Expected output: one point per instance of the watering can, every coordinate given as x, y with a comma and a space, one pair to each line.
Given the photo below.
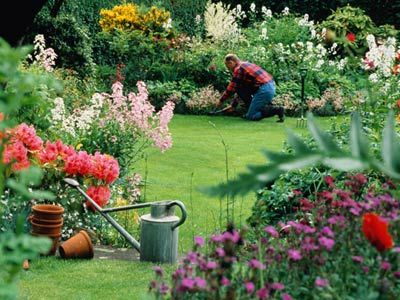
159, 229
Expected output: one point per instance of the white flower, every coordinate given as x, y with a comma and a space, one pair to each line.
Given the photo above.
373, 78
264, 33
285, 11
253, 7
167, 25
197, 19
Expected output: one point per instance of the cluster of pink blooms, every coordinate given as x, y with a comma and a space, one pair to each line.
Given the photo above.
134, 111
24, 147
44, 56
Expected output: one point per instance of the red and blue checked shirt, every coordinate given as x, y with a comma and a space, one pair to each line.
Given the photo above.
246, 75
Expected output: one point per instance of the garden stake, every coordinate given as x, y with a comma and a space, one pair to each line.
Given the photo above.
159, 229
302, 121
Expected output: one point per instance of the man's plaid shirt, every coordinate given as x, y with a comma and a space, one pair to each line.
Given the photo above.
246, 75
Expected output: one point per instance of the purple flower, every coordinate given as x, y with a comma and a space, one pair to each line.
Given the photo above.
225, 281
397, 274
220, 252
396, 250
358, 259
286, 297
199, 241
158, 270
272, 231
321, 282
326, 242
262, 293
327, 231
365, 269
216, 238
211, 265
308, 244
277, 286
200, 282
255, 264
187, 283
192, 257
249, 287
164, 288
294, 254
386, 266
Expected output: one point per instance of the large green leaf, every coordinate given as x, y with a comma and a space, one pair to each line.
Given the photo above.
358, 141
390, 146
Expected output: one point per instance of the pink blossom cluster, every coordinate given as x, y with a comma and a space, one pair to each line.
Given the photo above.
135, 113
22, 141
25, 147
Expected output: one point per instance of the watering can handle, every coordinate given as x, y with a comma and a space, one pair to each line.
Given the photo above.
184, 214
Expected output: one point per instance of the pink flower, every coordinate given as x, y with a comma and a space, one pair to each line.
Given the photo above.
220, 252
100, 194
263, 293
386, 266
211, 265
255, 264
272, 231
326, 242
200, 282
286, 297
199, 241
225, 281
327, 231
358, 259
249, 287
277, 286
321, 282
187, 283
294, 254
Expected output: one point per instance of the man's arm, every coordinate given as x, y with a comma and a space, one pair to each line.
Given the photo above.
231, 88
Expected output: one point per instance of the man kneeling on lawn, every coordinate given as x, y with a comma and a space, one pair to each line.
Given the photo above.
256, 88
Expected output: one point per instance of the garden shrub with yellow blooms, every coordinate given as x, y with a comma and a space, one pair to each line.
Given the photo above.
128, 17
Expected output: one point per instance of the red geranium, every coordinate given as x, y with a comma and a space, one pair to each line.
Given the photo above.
376, 231
351, 37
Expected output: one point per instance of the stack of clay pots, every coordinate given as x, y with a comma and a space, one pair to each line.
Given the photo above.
47, 220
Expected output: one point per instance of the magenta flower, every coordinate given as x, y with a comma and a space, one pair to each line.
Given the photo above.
187, 283
220, 252
255, 264
249, 287
358, 259
327, 232
211, 265
277, 286
199, 241
396, 274
321, 282
225, 281
272, 231
286, 297
262, 293
386, 266
294, 254
326, 242
158, 270
200, 282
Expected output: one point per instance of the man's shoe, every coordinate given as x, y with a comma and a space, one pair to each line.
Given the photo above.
280, 121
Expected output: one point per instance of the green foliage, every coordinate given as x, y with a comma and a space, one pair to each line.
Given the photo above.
177, 91
15, 91
327, 153
349, 20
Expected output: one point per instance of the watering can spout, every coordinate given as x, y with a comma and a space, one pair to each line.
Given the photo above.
71, 182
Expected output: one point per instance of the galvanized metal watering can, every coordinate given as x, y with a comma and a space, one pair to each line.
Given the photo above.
159, 229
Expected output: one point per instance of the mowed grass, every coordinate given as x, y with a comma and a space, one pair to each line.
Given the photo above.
197, 159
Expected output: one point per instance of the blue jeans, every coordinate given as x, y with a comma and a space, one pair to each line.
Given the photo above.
261, 98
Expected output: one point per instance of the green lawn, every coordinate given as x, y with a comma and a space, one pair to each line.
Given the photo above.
197, 156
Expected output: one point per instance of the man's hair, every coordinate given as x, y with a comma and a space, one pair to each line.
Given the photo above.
231, 57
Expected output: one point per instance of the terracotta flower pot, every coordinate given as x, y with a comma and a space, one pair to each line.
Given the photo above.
47, 211
46, 228
54, 237
45, 221
78, 246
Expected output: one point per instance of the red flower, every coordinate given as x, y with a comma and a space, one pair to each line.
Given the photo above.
351, 37
100, 194
376, 231
396, 69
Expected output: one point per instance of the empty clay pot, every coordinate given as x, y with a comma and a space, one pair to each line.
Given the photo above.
45, 221
47, 211
55, 239
78, 246
38, 227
